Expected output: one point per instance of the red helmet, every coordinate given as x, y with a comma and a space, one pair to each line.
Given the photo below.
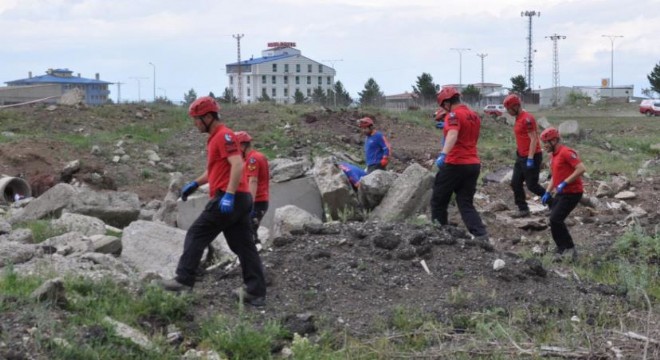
440, 114
203, 106
511, 101
447, 93
365, 122
549, 134
242, 137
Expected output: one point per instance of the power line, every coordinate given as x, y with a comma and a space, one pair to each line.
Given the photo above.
119, 84
612, 38
530, 15
555, 67
332, 65
240, 80
460, 65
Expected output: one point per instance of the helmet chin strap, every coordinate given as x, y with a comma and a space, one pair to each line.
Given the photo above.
207, 126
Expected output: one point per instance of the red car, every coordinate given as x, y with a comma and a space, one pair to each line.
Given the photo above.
494, 110
650, 107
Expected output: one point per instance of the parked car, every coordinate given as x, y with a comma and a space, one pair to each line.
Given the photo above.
494, 110
653, 110
646, 106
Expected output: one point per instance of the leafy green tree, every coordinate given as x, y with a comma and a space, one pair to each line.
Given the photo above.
298, 97
371, 95
319, 97
228, 97
471, 94
163, 100
189, 97
426, 90
518, 84
343, 97
654, 78
264, 97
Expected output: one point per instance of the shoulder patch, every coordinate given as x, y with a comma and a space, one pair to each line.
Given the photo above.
453, 120
252, 160
573, 155
228, 138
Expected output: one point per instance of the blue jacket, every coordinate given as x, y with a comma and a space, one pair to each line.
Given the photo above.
375, 148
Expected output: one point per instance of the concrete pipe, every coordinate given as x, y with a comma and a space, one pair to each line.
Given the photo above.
13, 189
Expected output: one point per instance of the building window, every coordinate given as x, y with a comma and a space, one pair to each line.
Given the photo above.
309, 80
274, 92
231, 80
329, 80
320, 68
297, 80
320, 80
286, 92
274, 67
297, 67
286, 68
309, 92
263, 79
274, 79
286, 79
309, 68
248, 79
248, 92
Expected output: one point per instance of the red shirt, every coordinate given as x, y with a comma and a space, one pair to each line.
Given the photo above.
220, 145
256, 165
562, 164
468, 124
525, 123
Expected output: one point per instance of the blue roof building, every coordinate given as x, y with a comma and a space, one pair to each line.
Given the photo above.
96, 91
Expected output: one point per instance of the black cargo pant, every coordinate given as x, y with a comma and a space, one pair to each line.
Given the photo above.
238, 232
561, 207
461, 180
260, 209
521, 174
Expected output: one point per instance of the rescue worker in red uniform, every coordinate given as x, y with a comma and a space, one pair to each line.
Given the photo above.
376, 148
458, 164
228, 210
258, 177
528, 155
566, 187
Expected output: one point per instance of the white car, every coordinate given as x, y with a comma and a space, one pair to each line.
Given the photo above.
494, 110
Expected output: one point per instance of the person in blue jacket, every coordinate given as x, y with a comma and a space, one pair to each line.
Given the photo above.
376, 147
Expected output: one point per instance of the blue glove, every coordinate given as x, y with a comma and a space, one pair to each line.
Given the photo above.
530, 163
440, 160
546, 197
226, 204
561, 186
440, 125
188, 189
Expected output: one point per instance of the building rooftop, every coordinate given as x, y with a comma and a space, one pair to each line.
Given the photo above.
261, 60
56, 76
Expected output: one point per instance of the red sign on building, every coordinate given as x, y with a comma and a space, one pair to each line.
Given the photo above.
281, 44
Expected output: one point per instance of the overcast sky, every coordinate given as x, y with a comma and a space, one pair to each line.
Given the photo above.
393, 41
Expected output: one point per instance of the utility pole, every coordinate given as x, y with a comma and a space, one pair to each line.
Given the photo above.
530, 15
119, 84
612, 38
555, 67
332, 65
240, 80
138, 78
154, 66
460, 65
482, 56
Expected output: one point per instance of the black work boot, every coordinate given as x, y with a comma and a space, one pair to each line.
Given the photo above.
243, 296
174, 285
521, 214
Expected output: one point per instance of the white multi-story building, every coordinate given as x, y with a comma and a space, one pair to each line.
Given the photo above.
278, 73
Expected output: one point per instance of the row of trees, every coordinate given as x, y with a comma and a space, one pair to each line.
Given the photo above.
425, 90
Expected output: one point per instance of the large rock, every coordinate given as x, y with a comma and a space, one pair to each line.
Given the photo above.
543, 122
49, 204
338, 196
14, 253
500, 176
71, 242
186, 212
619, 183
84, 224
113, 207
5, 227
152, 247
407, 195
374, 187
288, 170
302, 193
290, 218
569, 128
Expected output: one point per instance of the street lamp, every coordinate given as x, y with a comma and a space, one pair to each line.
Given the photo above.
154, 66
138, 78
460, 65
612, 37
